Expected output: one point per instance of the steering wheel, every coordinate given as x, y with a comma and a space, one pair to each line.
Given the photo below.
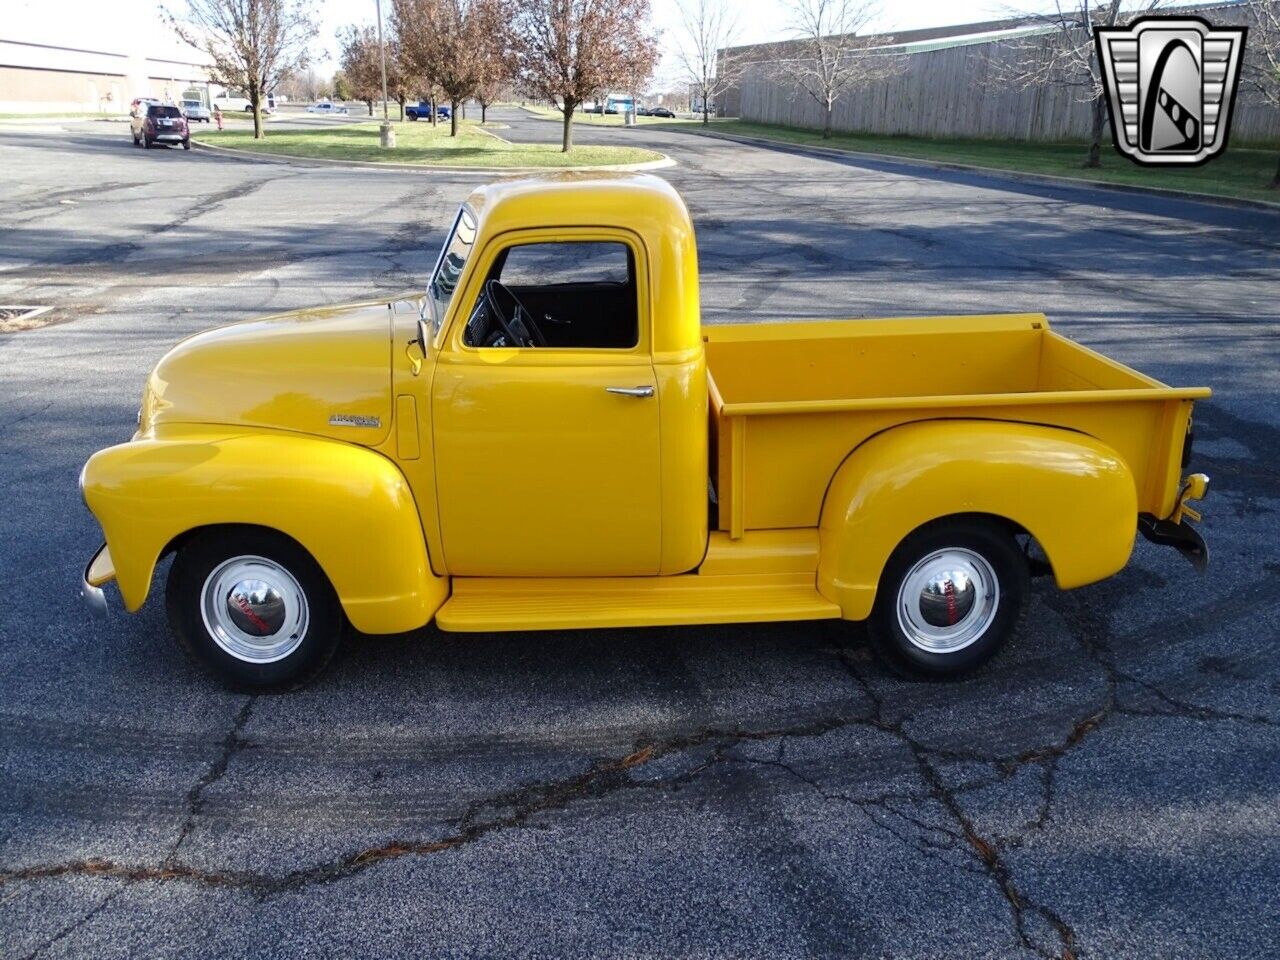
516, 322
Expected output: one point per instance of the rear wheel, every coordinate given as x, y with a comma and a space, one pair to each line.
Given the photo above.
951, 595
253, 609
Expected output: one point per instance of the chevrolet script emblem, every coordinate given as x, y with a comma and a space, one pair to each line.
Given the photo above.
1170, 85
353, 420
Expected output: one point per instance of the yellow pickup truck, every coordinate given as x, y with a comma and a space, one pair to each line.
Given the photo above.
548, 438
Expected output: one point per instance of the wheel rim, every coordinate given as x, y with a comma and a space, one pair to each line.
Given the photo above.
254, 609
948, 600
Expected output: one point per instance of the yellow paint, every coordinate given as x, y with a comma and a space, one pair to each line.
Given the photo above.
547, 502
1076, 496
794, 398
293, 371
406, 428
524, 603
348, 506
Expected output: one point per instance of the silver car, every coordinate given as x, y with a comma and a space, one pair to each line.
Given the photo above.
195, 110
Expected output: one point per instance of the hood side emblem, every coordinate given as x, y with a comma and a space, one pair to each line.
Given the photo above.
353, 420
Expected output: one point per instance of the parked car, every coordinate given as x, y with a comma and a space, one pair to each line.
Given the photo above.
660, 112
159, 123
325, 108
227, 102
556, 442
422, 110
195, 110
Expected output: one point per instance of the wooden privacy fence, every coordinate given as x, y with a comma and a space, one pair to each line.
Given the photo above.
957, 92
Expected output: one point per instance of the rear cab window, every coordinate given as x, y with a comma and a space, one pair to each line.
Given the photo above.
581, 294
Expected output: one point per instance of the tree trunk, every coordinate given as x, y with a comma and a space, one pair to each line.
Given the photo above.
484, 109
453, 118
826, 122
706, 113
369, 106
1275, 181
1095, 141
401, 102
255, 101
567, 141
435, 119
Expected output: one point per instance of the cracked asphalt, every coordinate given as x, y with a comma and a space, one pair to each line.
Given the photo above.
1109, 787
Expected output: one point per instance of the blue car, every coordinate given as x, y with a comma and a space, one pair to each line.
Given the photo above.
422, 110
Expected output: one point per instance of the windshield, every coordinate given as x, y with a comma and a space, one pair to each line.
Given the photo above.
444, 280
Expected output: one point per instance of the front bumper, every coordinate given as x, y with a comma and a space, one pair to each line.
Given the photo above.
99, 571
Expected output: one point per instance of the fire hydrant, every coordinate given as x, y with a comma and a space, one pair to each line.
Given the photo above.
217, 115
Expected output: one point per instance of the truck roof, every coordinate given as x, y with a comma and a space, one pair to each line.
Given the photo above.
641, 203
586, 198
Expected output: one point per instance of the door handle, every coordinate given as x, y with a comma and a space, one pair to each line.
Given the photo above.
630, 391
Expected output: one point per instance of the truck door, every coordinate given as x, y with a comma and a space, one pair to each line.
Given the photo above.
545, 413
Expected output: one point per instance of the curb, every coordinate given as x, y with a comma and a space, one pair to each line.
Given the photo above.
1045, 178
286, 158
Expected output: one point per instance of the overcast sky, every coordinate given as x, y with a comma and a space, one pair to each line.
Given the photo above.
137, 27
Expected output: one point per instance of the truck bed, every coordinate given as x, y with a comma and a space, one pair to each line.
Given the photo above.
789, 401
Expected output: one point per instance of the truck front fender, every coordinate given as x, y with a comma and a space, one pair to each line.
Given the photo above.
1076, 496
349, 506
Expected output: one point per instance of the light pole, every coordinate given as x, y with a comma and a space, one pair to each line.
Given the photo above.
387, 134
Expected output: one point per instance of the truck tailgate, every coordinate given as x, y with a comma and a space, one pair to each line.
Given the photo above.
789, 401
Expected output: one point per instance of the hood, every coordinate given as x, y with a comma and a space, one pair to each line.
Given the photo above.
325, 372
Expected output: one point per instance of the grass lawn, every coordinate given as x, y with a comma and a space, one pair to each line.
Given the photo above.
597, 119
420, 143
1239, 172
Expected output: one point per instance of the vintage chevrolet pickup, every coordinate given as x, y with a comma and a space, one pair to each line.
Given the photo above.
548, 438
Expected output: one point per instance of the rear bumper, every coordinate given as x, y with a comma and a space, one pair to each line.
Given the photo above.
1174, 531
1181, 536
100, 570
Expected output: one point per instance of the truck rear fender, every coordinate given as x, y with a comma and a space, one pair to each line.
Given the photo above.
348, 506
1075, 495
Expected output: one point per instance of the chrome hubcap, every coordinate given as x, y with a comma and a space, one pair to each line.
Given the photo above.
948, 600
254, 609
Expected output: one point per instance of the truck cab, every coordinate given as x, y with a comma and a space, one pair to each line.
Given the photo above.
548, 438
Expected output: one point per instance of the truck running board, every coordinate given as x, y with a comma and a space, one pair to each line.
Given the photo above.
504, 604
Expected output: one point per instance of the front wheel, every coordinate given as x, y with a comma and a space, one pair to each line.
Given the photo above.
951, 595
253, 609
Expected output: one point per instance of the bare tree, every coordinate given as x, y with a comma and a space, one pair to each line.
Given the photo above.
710, 26
358, 56
572, 51
1261, 70
1063, 55
832, 56
450, 43
252, 43
497, 54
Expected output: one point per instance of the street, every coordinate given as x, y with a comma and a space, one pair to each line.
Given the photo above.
1108, 787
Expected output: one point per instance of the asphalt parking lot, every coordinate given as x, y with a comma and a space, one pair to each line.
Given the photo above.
1109, 787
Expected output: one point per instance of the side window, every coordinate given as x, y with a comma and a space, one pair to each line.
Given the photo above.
574, 294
